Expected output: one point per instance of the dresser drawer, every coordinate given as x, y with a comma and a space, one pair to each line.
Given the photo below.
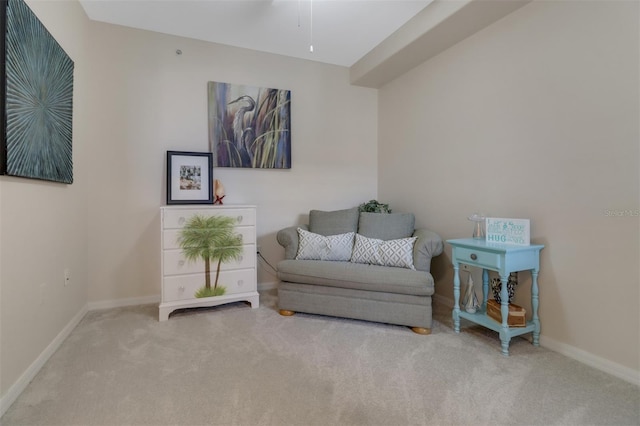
170, 236
176, 218
183, 287
479, 258
176, 264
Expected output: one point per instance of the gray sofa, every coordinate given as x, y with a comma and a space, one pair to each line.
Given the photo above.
372, 292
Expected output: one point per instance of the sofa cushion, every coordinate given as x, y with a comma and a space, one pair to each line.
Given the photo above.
386, 226
391, 308
318, 247
356, 276
397, 253
333, 222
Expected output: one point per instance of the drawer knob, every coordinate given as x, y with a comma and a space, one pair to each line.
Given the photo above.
240, 282
181, 220
239, 219
473, 256
181, 263
181, 288
240, 259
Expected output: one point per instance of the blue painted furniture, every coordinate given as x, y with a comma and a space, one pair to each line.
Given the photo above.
503, 259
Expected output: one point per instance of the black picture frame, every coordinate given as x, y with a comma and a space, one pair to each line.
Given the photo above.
189, 177
36, 98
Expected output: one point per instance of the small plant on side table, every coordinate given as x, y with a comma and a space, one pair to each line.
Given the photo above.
374, 206
211, 238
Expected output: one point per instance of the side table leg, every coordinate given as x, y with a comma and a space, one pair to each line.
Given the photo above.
485, 289
504, 341
456, 297
534, 307
504, 311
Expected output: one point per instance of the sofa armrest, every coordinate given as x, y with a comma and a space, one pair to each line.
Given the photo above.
428, 245
288, 238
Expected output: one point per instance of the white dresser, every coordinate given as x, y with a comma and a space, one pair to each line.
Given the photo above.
181, 278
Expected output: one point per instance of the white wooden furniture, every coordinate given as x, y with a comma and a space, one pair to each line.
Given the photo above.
181, 278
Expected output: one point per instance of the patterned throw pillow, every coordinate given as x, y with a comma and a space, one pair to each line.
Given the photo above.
318, 247
398, 253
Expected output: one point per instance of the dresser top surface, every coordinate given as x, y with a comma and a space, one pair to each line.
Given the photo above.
208, 206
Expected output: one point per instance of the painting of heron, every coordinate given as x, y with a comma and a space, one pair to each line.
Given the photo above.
249, 126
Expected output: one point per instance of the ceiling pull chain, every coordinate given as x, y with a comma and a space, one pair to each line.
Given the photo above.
311, 27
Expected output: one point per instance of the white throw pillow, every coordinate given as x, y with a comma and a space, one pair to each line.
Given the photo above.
397, 253
318, 247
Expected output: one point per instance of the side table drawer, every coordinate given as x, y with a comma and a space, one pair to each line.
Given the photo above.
479, 258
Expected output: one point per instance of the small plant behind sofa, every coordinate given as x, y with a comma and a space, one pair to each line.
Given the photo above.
210, 238
374, 206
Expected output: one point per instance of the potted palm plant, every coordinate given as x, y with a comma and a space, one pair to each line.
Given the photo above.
210, 238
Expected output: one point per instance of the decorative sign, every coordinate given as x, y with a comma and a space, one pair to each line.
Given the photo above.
508, 231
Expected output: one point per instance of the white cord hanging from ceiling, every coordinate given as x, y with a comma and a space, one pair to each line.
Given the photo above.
311, 27
310, 23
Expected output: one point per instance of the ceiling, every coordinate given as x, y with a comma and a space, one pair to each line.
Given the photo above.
341, 31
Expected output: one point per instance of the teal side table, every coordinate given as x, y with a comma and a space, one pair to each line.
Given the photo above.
503, 259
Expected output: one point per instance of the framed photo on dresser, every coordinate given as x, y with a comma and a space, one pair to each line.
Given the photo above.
189, 177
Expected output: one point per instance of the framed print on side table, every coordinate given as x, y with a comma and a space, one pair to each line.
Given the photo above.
189, 177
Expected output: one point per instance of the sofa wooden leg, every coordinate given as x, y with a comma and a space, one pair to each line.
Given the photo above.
286, 313
421, 330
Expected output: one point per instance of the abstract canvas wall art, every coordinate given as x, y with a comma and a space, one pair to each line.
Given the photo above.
36, 99
249, 126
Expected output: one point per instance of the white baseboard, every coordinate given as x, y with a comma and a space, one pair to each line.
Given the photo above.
441, 300
620, 371
16, 389
269, 285
118, 303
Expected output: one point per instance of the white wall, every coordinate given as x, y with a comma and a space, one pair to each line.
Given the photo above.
134, 99
533, 117
147, 100
44, 227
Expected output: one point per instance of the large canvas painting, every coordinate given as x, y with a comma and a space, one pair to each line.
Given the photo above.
36, 98
249, 126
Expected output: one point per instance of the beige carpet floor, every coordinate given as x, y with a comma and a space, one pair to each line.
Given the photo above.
233, 365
